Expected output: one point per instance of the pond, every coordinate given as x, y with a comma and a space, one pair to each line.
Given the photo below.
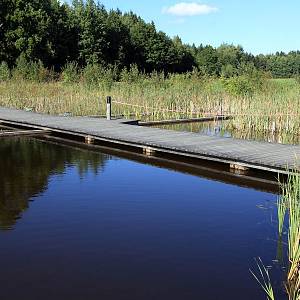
76, 224
223, 128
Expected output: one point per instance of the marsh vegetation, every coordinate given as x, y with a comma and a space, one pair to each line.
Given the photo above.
57, 57
265, 107
288, 213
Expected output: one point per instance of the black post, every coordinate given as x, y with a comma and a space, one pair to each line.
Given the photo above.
108, 107
221, 102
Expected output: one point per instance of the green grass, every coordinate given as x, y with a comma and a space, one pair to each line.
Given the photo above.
274, 108
263, 278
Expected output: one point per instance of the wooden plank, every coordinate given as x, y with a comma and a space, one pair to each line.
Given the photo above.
258, 155
186, 120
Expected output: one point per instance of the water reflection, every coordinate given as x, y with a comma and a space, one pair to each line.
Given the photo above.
25, 167
224, 129
126, 231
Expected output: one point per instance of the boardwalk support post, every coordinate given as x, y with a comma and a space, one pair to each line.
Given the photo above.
148, 151
237, 168
108, 107
89, 140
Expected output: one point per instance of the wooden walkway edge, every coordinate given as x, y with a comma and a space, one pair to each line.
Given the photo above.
23, 133
178, 121
264, 156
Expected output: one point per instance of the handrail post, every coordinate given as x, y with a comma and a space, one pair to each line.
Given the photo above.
222, 107
108, 107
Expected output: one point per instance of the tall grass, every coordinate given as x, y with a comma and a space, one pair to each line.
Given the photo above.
291, 197
287, 204
258, 105
263, 278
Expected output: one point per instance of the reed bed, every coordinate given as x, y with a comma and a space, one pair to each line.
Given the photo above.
288, 211
290, 203
275, 108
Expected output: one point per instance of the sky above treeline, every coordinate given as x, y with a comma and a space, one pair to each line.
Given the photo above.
260, 26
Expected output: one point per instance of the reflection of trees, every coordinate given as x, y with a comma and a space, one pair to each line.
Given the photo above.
25, 166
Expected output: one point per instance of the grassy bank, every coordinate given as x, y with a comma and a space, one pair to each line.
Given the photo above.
274, 107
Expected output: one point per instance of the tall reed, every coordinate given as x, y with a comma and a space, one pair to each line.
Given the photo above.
274, 109
291, 197
287, 204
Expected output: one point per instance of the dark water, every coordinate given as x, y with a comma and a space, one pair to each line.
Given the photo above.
81, 225
223, 129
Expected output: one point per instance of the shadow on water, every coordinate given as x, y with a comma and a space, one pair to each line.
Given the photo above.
26, 165
255, 179
107, 228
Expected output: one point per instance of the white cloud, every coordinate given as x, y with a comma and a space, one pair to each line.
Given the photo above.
187, 9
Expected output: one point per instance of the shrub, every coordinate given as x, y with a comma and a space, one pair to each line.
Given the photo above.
297, 78
132, 75
20, 71
228, 71
70, 72
239, 85
4, 71
33, 71
109, 77
95, 74
92, 74
248, 81
37, 72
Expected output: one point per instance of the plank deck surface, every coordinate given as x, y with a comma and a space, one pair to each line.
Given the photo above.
259, 155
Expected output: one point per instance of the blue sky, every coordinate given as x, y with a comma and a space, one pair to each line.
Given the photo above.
260, 26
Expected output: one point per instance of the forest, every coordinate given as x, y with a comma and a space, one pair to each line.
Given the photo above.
52, 34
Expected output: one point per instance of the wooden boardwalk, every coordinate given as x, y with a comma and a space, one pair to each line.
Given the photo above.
248, 154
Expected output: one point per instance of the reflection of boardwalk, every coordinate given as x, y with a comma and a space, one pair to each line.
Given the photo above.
240, 153
6, 133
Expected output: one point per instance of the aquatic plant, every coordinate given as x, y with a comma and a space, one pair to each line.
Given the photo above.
291, 196
281, 211
288, 203
264, 279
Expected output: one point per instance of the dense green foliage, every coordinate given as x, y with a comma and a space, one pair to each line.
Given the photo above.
85, 33
51, 34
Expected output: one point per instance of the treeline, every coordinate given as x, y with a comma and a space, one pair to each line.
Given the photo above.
230, 60
85, 33
55, 34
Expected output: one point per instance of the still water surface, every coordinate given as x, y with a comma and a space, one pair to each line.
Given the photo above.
81, 225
